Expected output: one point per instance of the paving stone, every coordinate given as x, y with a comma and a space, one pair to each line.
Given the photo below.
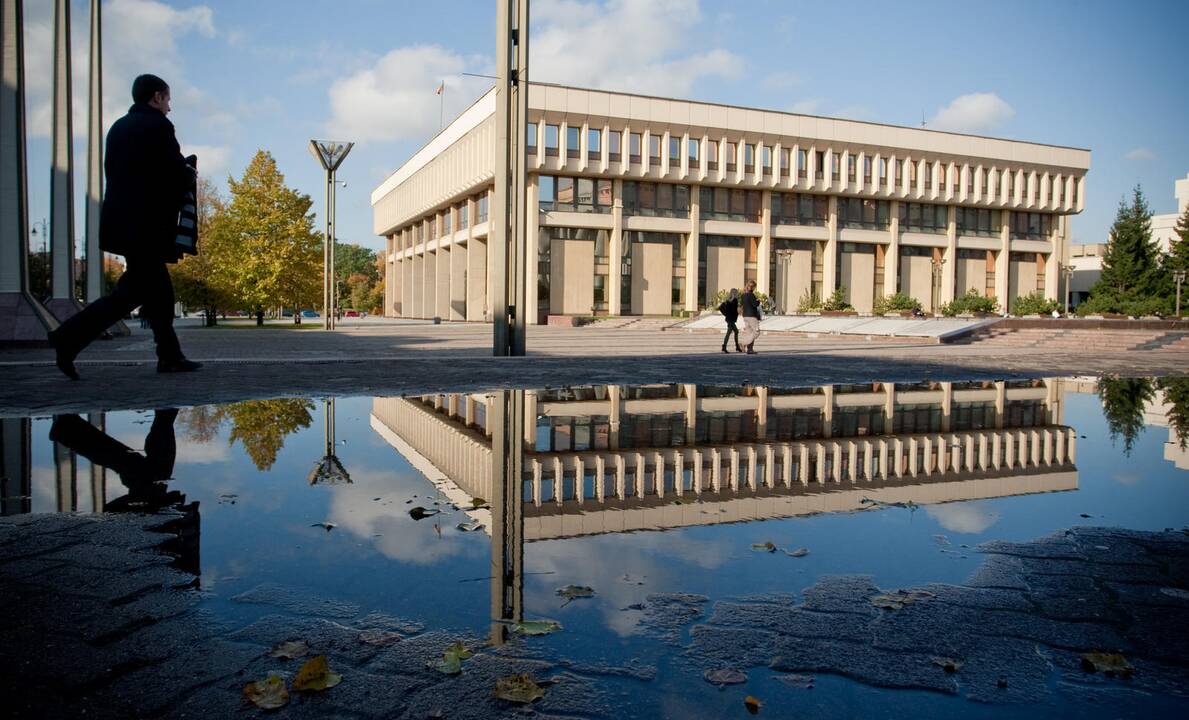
793, 621
998, 670
712, 647
977, 597
1050, 548
110, 624
666, 615
860, 661
325, 637
1158, 633
1160, 596
297, 601
842, 593
999, 571
1072, 597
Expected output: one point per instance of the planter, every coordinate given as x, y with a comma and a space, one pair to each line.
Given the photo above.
840, 313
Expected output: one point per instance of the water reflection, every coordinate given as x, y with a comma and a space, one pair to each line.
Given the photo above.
260, 426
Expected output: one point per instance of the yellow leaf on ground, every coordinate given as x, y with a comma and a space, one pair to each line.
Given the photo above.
1109, 664
518, 689
289, 649
315, 675
267, 694
752, 704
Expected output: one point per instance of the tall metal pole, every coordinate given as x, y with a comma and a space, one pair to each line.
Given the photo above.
94, 157
63, 300
333, 242
326, 252
508, 214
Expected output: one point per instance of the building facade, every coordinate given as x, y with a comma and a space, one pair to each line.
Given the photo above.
650, 206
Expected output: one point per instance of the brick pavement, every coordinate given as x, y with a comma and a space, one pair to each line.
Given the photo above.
377, 359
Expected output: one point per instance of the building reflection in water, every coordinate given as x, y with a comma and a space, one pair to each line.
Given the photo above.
613, 459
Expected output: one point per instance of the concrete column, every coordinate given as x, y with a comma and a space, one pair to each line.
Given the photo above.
391, 291
614, 413
442, 281
828, 411
1000, 403
762, 413
830, 261
891, 261
417, 287
615, 245
691, 412
94, 255
1001, 261
408, 291
476, 279
949, 268
764, 247
1056, 258
947, 401
532, 231
458, 281
691, 246
530, 420
65, 478
22, 319
62, 302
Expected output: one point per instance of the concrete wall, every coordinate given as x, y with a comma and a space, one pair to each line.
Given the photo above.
794, 277
858, 275
916, 279
1021, 279
972, 275
476, 280
724, 270
571, 271
652, 278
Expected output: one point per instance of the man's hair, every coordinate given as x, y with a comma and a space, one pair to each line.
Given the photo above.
144, 87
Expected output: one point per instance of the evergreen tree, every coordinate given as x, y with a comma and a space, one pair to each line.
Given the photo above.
1176, 395
1133, 279
1178, 251
275, 254
1123, 404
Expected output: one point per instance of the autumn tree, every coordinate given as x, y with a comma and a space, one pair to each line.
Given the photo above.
274, 253
261, 426
201, 281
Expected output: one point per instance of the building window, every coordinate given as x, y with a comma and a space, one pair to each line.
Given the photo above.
956, 179
912, 175
447, 222
929, 177
551, 140
569, 194
978, 221
655, 199
692, 148
924, 217
899, 176
613, 139
1031, 226
860, 213
573, 139
988, 189
712, 155
835, 166
820, 167
784, 162
727, 204
1011, 185
866, 169
674, 151
732, 157
1076, 187
802, 164
766, 160
850, 167
463, 216
530, 138
800, 209
969, 181
634, 147
883, 171
594, 144
654, 149
433, 228
749, 158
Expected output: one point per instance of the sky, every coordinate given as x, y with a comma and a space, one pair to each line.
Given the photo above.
271, 75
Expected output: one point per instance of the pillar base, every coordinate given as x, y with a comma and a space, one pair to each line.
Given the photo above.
23, 321
62, 308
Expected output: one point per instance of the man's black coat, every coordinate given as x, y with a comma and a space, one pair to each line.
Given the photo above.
146, 180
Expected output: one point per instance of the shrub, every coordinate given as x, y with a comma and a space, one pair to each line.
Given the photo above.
972, 302
895, 303
1107, 302
836, 301
1033, 304
809, 302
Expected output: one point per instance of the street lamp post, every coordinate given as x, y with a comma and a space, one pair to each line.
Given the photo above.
935, 300
1179, 276
1067, 271
330, 153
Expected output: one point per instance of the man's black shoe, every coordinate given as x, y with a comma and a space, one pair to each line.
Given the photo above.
63, 356
178, 366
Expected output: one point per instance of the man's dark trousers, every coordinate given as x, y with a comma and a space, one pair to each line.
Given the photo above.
145, 283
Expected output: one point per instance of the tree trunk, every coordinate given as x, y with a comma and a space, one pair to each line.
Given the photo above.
259, 318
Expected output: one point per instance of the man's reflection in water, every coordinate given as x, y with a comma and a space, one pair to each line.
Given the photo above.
146, 475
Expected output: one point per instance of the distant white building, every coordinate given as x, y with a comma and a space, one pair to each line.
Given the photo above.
1086, 260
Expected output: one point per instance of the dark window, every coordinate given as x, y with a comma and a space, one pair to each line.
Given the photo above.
463, 216
573, 140
674, 151
929, 177
530, 138
594, 144
860, 213
634, 150
866, 169
613, 139
784, 162
732, 157
447, 222
850, 167
749, 158
835, 165
551, 140
820, 168
482, 210
802, 164
692, 147
924, 217
712, 155
987, 189
654, 149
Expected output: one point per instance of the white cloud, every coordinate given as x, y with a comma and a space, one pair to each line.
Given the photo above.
139, 36
634, 45
809, 106
973, 113
782, 80
394, 99
212, 159
1140, 153
966, 517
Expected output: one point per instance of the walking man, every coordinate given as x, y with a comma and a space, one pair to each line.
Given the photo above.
730, 310
751, 316
147, 179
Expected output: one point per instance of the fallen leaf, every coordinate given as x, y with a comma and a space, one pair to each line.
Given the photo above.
724, 676
477, 503
417, 512
898, 599
518, 689
470, 526
804, 682
452, 657
1086, 516
1109, 664
537, 627
315, 675
766, 546
573, 592
752, 704
950, 665
267, 694
328, 525
941, 540
289, 650
799, 552
379, 637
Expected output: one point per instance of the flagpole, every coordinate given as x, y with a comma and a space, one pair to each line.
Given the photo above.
442, 107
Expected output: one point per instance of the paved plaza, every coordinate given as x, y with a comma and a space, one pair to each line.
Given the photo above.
376, 358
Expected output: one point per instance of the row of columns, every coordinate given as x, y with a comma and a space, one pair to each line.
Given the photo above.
430, 278
23, 319
891, 175
16, 472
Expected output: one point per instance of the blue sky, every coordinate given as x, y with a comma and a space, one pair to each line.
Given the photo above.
269, 74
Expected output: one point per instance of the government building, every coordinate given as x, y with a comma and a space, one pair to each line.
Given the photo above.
650, 206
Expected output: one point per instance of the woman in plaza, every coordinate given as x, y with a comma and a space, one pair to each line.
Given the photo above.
730, 310
750, 308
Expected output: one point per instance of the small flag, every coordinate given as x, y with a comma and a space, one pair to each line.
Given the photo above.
441, 88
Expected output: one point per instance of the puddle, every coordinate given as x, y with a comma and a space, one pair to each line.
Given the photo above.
671, 503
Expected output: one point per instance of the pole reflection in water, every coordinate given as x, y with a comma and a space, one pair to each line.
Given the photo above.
506, 425
16, 466
329, 470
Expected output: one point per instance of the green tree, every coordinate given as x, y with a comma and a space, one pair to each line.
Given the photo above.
262, 425
201, 281
1132, 274
1178, 251
1123, 403
274, 253
351, 259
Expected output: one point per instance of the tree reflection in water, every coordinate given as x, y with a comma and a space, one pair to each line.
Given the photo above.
261, 426
1176, 394
1123, 404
